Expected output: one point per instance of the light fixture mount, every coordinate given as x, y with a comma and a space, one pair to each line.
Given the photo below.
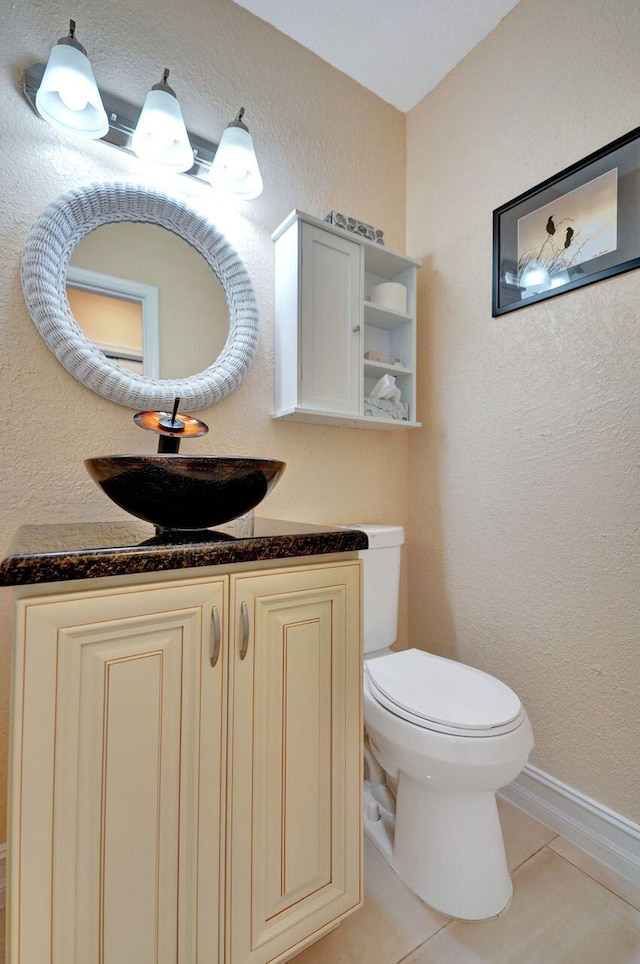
71, 41
238, 122
163, 85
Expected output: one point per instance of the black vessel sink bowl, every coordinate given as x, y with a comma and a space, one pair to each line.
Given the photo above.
185, 491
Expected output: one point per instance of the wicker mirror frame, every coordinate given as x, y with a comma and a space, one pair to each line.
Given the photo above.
48, 248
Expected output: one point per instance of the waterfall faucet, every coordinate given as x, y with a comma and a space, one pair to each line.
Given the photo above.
172, 427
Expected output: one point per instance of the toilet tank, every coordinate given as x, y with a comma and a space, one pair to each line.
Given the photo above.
381, 582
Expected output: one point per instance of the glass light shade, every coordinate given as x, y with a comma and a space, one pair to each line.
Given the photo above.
68, 96
161, 135
235, 166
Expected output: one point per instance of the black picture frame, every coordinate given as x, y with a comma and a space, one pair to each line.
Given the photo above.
577, 227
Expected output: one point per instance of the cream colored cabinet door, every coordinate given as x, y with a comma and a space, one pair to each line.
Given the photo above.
117, 749
294, 838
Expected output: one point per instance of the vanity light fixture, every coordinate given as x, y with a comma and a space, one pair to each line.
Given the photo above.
78, 106
160, 135
235, 166
68, 96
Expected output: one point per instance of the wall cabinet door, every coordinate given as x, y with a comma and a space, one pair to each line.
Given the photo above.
117, 748
330, 322
294, 841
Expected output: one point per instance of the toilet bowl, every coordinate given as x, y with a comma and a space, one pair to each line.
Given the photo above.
441, 739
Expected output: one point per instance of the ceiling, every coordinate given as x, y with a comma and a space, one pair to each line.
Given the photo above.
399, 49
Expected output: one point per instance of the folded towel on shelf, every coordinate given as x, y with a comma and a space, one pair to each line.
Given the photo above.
385, 408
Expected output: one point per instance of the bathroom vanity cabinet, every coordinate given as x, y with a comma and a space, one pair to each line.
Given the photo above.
186, 764
327, 325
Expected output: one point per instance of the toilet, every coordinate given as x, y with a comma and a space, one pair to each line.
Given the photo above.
440, 739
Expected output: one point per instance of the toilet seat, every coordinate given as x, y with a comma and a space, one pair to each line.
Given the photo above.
439, 694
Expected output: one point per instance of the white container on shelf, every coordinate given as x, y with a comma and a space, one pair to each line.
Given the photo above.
390, 294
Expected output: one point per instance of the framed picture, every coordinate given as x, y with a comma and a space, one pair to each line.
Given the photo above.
580, 226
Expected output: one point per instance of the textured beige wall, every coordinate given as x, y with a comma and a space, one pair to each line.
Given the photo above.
524, 546
324, 143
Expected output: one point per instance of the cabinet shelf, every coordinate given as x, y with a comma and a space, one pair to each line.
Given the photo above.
386, 263
384, 317
318, 417
373, 369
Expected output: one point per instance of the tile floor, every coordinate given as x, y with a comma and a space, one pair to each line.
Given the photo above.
566, 909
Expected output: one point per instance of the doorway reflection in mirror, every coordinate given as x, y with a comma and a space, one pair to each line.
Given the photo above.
119, 316
155, 306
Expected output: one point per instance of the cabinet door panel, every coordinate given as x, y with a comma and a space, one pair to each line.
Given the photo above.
293, 749
331, 308
114, 692
296, 760
124, 773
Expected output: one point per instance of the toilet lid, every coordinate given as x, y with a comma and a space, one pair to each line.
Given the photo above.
443, 692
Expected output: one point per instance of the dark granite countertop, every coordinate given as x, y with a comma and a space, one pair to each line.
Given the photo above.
54, 553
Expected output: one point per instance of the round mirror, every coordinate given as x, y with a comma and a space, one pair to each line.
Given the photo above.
147, 299
73, 250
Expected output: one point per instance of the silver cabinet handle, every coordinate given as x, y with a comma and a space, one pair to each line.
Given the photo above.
244, 645
355, 329
215, 636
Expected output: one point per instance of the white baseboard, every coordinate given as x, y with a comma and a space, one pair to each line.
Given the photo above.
3, 876
600, 832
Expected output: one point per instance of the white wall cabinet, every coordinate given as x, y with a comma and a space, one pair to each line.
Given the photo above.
185, 772
326, 324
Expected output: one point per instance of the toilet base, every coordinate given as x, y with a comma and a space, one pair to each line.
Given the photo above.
447, 847
379, 829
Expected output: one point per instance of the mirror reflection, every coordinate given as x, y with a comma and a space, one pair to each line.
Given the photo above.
147, 299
